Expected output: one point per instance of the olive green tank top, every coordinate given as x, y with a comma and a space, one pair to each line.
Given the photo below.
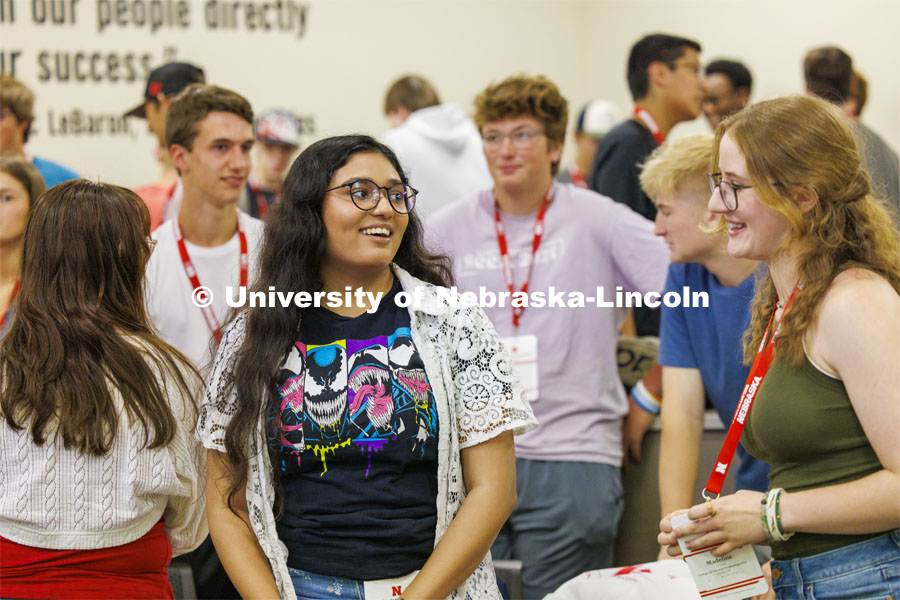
803, 425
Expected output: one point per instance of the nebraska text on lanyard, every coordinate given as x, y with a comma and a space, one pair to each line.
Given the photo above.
211, 321
504, 251
757, 373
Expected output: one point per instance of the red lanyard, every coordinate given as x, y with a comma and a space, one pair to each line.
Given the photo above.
9, 306
261, 201
648, 120
504, 251
211, 321
754, 380
577, 177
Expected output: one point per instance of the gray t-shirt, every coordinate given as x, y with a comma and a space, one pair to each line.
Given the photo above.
883, 166
588, 241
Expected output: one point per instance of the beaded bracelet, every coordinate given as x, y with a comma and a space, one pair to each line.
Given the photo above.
778, 516
771, 510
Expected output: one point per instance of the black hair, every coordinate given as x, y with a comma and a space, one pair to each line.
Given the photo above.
738, 74
649, 49
290, 258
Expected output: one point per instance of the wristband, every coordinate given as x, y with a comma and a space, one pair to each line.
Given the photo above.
772, 517
645, 400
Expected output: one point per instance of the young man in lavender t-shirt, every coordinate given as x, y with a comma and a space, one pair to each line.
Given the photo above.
568, 470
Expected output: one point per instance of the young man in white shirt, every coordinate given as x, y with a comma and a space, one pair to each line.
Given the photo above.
209, 246
209, 133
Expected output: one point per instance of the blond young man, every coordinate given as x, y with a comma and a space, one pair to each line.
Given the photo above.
700, 348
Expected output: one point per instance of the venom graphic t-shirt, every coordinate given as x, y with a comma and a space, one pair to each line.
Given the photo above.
358, 446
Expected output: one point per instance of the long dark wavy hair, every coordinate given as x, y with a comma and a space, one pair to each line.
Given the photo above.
79, 312
290, 259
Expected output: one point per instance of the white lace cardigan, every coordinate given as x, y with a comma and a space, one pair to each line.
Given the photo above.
472, 378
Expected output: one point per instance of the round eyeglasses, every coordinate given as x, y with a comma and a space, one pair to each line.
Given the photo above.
727, 190
521, 139
366, 195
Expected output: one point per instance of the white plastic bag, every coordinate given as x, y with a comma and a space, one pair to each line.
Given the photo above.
660, 580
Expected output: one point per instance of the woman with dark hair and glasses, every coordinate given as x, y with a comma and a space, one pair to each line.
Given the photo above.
824, 339
101, 472
20, 186
366, 445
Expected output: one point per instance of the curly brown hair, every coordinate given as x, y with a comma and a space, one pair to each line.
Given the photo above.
847, 227
523, 95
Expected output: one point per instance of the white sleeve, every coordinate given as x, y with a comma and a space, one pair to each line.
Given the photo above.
488, 395
185, 514
220, 398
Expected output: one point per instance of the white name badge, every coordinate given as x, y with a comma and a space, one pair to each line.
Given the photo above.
524, 352
734, 575
387, 589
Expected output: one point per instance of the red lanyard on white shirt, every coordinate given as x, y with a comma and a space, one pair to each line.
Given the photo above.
648, 120
211, 321
504, 251
754, 380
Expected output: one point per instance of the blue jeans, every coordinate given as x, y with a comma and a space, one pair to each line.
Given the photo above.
309, 586
868, 570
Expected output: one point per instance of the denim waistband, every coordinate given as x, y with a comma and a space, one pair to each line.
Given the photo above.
881, 549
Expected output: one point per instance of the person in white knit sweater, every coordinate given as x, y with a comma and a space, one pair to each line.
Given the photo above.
100, 474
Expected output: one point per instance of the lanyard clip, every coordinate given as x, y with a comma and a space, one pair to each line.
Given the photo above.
707, 497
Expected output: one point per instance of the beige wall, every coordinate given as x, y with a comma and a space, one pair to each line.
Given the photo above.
351, 49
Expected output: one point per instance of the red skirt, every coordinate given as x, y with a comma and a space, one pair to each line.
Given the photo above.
134, 570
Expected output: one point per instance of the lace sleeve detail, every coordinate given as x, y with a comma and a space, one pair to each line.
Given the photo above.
217, 407
487, 392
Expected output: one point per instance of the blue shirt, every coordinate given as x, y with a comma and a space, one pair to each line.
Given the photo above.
709, 340
52, 172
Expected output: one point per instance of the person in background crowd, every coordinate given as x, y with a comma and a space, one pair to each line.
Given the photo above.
102, 473
824, 328
163, 197
209, 246
20, 187
278, 139
594, 121
437, 144
829, 73
16, 119
859, 95
210, 134
664, 80
726, 90
553, 234
700, 349
390, 428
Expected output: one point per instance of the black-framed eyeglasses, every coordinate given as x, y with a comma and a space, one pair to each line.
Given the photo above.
728, 190
366, 195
